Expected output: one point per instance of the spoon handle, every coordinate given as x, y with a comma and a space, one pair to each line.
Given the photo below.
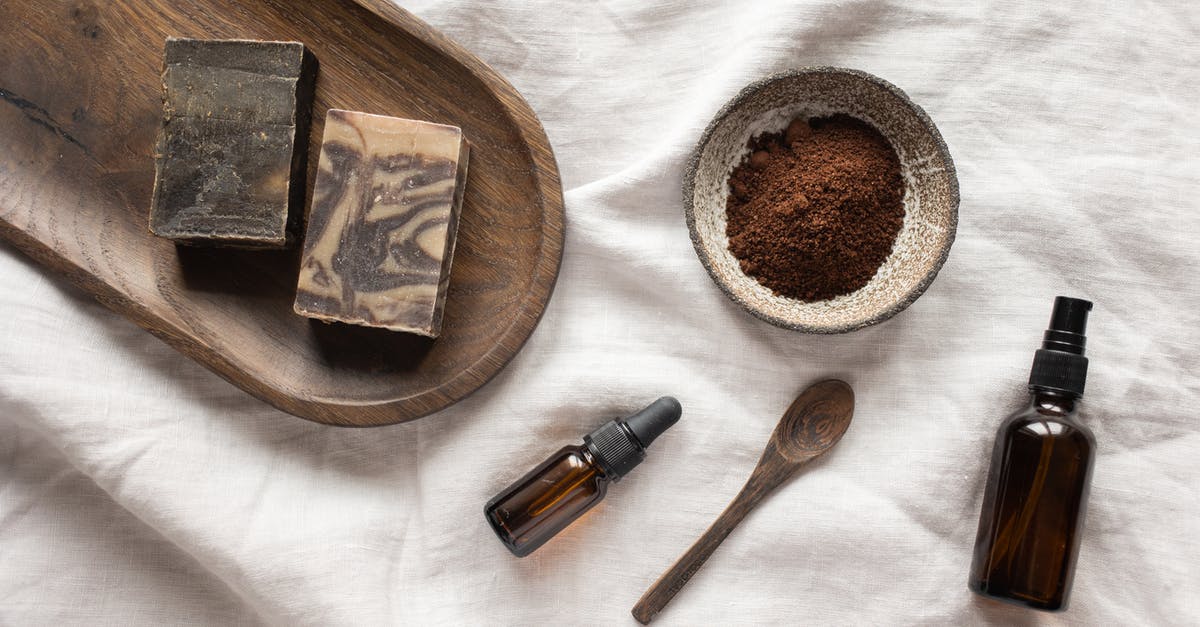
761, 482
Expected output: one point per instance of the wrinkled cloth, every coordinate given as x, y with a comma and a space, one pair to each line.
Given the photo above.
138, 488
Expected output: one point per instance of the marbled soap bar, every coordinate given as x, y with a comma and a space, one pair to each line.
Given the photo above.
382, 226
231, 153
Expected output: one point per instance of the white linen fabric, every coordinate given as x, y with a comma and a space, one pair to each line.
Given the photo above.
136, 487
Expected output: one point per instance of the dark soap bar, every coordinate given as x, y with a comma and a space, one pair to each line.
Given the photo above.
232, 150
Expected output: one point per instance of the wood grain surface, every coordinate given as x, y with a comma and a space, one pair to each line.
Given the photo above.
79, 108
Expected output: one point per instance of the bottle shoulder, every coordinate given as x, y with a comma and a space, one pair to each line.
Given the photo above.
581, 462
573, 457
1043, 422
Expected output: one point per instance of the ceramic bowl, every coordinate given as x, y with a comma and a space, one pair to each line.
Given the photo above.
930, 195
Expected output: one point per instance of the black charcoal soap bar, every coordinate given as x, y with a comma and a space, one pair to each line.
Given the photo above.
232, 150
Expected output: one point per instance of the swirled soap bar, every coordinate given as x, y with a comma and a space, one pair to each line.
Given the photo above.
383, 220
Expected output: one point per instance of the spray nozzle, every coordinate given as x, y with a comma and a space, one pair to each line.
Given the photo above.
1068, 325
1060, 365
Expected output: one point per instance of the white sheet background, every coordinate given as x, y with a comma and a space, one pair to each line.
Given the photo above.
138, 488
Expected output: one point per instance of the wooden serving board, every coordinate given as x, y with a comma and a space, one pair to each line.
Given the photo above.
80, 105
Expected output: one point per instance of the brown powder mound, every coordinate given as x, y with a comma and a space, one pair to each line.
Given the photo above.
813, 211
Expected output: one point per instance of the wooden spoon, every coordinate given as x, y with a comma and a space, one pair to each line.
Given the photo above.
816, 420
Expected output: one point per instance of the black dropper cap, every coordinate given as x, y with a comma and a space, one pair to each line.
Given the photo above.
1059, 366
620, 444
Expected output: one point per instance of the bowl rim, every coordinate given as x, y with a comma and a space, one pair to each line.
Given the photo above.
689, 185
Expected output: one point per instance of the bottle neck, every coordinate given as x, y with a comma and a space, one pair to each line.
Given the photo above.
1053, 402
591, 461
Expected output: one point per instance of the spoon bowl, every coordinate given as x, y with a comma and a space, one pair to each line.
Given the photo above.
814, 422
810, 427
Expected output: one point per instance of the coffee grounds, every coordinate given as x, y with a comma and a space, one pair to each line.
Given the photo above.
814, 211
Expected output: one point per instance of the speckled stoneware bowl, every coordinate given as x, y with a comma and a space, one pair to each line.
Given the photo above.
930, 194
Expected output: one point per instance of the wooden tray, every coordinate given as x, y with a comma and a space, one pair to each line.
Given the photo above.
79, 109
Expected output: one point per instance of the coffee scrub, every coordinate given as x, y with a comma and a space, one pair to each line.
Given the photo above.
813, 211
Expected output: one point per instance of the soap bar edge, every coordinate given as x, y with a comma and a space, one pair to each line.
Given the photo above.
460, 189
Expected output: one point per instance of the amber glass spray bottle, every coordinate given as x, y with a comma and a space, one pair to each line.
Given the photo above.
556, 493
1036, 493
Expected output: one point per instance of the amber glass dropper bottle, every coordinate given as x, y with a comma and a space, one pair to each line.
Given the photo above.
1036, 493
542, 503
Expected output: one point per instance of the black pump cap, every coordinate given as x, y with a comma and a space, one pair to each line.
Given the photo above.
1059, 366
620, 445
